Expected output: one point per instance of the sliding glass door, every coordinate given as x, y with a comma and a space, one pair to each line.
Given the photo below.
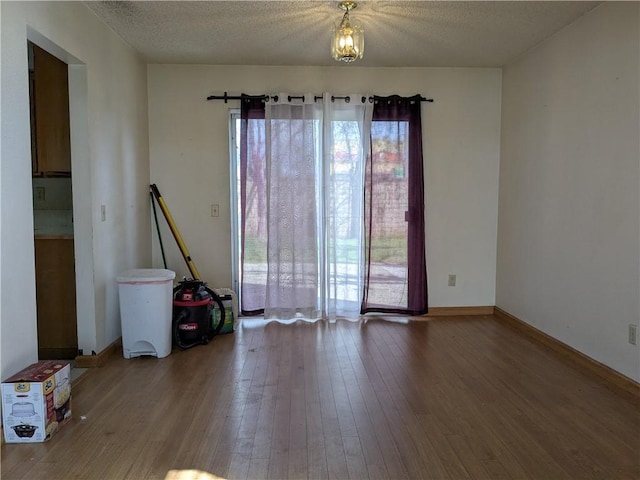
396, 273
324, 215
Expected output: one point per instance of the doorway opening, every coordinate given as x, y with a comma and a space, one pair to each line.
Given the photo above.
52, 205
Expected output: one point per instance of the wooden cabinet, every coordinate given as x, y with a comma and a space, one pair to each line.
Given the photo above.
49, 89
56, 298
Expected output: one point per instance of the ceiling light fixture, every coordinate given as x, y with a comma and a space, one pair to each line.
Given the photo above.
347, 44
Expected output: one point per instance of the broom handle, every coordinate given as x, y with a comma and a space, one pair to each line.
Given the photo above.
175, 232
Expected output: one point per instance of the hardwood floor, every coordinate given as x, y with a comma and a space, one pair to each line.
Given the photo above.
454, 398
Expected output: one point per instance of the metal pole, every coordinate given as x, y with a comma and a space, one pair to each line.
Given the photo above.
155, 216
175, 232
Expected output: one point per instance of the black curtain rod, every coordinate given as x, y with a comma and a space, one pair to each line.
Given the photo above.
347, 99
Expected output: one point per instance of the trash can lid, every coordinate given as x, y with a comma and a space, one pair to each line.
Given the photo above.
146, 275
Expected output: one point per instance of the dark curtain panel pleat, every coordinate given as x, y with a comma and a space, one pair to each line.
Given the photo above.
253, 204
396, 133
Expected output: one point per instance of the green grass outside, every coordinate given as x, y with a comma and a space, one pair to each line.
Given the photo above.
389, 250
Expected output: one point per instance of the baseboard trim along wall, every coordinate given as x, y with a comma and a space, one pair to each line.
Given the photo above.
609, 375
459, 311
92, 361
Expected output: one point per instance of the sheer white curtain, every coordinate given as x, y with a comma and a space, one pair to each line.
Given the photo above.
315, 156
293, 137
347, 126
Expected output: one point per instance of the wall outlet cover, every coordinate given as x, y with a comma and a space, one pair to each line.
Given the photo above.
633, 334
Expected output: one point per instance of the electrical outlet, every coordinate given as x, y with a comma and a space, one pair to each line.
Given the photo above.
633, 334
452, 280
215, 210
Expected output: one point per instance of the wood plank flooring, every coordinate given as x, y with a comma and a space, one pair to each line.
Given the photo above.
454, 398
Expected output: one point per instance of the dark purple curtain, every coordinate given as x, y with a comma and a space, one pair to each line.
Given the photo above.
253, 205
395, 270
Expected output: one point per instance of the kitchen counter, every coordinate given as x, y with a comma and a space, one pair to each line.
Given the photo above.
53, 236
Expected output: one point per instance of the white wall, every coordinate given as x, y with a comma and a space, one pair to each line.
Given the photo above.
189, 152
110, 167
568, 239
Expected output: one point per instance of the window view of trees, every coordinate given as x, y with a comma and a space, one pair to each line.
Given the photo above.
344, 167
387, 242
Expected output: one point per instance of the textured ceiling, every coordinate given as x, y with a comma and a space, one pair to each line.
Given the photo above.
397, 33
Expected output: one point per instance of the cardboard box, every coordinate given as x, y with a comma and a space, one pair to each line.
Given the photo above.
36, 402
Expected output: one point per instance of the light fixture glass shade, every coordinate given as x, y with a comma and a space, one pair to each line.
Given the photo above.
347, 44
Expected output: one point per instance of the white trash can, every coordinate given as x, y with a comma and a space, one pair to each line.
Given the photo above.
146, 306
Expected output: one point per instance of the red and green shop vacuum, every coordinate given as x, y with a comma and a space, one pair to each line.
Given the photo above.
199, 313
